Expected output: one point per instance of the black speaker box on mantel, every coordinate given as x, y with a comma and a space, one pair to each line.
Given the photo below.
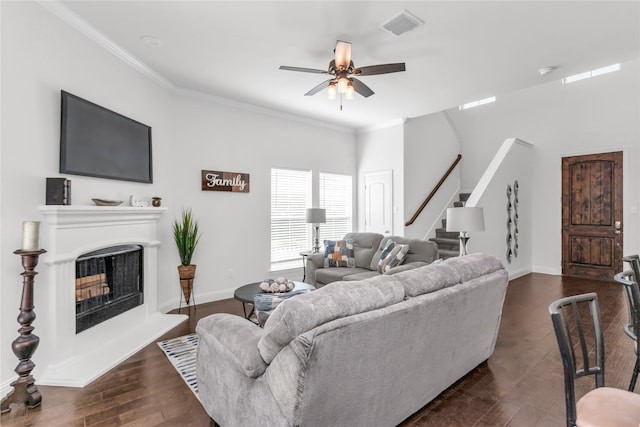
58, 191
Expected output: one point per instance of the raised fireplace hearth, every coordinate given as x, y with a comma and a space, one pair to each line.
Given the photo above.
99, 303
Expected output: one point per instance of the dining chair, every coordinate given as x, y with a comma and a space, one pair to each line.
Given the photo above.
576, 322
629, 280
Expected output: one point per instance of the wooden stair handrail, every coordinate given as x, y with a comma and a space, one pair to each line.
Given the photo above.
433, 192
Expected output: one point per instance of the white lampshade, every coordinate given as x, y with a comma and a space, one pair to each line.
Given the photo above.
465, 219
316, 216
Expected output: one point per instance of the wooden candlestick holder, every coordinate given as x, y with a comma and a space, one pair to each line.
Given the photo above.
25, 390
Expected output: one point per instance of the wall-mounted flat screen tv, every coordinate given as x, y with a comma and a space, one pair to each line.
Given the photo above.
101, 143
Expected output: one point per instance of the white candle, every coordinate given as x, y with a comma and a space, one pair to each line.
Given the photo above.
31, 236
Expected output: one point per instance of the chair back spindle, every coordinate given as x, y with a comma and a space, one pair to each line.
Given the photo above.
576, 322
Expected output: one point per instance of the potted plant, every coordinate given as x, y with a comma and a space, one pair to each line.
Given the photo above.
185, 233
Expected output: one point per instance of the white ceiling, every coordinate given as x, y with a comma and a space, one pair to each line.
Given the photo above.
465, 51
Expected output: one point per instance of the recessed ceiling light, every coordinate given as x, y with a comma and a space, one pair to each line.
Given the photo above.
151, 41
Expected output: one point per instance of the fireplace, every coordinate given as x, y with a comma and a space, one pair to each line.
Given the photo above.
99, 292
108, 282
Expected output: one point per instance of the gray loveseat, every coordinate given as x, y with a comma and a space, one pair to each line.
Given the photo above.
360, 353
367, 250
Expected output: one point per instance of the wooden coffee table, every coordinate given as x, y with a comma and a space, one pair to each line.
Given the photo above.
246, 293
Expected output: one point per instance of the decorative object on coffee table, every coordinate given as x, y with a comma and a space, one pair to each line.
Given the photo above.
185, 234
316, 216
25, 390
281, 284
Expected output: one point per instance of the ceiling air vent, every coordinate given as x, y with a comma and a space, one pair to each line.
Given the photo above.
401, 23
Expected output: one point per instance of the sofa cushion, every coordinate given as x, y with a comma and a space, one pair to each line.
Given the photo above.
328, 275
264, 304
367, 274
473, 265
419, 250
429, 278
365, 246
339, 253
341, 299
392, 255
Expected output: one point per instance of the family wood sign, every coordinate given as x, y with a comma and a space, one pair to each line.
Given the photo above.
235, 182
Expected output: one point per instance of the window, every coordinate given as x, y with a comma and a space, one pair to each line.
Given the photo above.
290, 234
335, 197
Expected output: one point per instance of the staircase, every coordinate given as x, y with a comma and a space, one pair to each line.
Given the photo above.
447, 241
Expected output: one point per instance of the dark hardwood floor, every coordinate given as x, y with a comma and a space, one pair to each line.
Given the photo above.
521, 384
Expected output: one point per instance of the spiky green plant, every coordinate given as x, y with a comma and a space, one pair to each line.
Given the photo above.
185, 233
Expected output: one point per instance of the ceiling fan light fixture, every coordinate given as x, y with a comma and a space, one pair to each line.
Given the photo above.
350, 91
332, 91
343, 84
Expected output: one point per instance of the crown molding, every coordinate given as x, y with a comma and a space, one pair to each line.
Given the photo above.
194, 94
75, 21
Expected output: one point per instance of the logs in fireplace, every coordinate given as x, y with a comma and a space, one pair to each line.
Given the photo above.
109, 282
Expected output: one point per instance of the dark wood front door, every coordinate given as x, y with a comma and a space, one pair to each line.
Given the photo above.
592, 215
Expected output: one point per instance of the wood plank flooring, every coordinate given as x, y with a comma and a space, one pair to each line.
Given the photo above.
521, 385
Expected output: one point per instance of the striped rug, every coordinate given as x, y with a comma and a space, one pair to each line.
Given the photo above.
181, 352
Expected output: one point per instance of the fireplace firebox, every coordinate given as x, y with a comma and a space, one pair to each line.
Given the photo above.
109, 282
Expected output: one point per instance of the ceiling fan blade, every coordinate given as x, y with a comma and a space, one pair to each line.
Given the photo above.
303, 70
379, 69
361, 88
343, 54
318, 88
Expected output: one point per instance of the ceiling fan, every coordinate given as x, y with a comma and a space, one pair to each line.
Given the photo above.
342, 71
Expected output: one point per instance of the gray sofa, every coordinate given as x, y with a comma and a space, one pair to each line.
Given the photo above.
367, 250
360, 353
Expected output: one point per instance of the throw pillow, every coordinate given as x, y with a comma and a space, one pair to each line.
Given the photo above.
392, 255
339, 253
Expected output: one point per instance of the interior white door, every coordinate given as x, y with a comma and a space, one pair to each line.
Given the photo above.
378, 202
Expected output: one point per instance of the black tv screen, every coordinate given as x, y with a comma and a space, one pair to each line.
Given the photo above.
101, 143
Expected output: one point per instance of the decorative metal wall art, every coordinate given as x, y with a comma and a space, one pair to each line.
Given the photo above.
512, 221
509, 223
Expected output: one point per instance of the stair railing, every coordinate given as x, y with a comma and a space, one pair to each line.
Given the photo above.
434, 191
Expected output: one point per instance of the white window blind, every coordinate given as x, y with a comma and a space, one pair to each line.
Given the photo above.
335, 197
290, 234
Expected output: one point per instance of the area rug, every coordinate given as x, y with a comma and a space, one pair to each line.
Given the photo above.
181, 352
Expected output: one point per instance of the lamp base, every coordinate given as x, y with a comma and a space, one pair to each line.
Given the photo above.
316, 240
463, 243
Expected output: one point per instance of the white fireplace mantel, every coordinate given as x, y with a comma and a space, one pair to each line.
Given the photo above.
70, 359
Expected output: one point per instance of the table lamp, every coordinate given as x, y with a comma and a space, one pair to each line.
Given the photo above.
316, 216
465, 219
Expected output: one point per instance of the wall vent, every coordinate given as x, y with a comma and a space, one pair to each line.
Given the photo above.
402, 22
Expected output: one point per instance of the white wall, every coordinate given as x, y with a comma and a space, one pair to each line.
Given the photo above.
235, 246
42, 55
509, 165
600, 114
430, 147
382, 149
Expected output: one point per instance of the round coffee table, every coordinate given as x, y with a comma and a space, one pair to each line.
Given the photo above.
246, 293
